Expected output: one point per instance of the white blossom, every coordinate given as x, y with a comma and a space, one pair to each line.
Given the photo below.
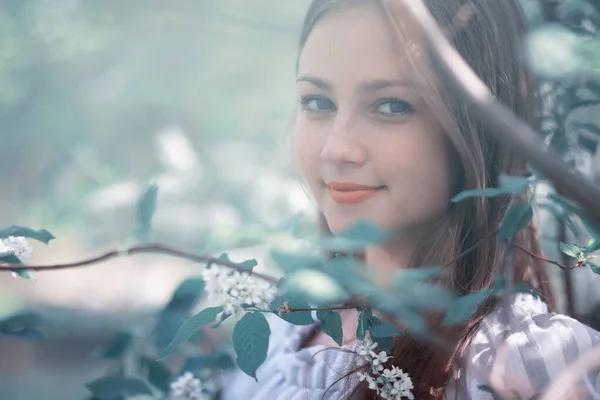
235, 290
4, 249
17, 245
363, 376
390, 384
365, 348
187, 387
380, 358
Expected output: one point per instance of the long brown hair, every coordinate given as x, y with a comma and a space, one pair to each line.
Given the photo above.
489, 40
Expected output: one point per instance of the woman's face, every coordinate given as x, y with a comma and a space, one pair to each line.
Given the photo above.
366, 143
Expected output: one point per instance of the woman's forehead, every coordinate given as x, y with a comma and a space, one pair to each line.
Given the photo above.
357, 42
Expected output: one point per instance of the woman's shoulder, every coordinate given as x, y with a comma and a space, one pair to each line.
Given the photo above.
538, 346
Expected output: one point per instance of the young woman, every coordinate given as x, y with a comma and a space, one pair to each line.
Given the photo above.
377, 137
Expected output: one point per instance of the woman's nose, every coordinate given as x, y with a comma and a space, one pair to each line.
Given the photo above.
343, 144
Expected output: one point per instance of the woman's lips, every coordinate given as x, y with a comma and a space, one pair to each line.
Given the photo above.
351, 193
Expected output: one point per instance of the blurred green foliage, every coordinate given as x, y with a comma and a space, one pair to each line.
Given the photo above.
84, 86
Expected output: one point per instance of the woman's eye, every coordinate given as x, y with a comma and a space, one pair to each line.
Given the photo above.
317, 104
394, 107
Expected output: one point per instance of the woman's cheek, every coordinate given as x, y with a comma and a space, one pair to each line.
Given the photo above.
307, 149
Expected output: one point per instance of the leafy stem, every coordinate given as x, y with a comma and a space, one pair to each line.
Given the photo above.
568, 268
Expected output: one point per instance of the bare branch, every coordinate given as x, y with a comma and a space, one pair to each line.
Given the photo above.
503, 124
139, 249
523, 249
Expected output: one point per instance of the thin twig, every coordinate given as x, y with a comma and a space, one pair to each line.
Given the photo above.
288, 310
518, 246
502, 123
138, 249
162, 249
568, 278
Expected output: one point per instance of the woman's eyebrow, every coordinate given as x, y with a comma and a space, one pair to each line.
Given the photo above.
318, 82
363, 87
378, 84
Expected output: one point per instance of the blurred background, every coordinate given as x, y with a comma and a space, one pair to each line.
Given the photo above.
98, 99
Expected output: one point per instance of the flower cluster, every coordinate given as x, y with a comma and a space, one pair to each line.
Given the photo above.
390, 384
16, 245
187, 387
235, 290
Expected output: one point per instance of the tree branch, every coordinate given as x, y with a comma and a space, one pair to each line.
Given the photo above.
138, 249
503, 124
285, 310
523, 249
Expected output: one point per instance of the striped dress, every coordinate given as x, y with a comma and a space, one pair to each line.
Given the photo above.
539, 346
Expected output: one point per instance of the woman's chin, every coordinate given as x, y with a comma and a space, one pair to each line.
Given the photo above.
338, 224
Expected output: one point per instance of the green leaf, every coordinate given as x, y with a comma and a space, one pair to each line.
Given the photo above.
385, 329
517, 217
366, 321
351, 275
592, 228
486, 192
513, 184
570, 249
145, 211
251, 342
415, 323
22, 326
525, 288
331, 324
212, 361
186, 295
594, 267
167, 325
294, 224
159, 374
465, 306
592, 128
117, 346
365, 232
383, 342
566, 204
109, 388
26, 319
420, 296
38, 234
562, 215
409, 275
486, 388
191, 326
24, 273
499, 282
592, 246
292, 261
316, 286
295, 317
11, 258
183, 300
295, 300
247, 265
